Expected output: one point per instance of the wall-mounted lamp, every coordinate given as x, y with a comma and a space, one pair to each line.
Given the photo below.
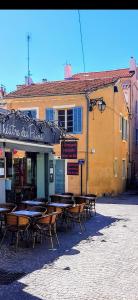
99, 102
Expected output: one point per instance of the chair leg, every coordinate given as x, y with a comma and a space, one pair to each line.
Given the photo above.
34, 239
50, 234
55, 232
4, 234
17, 240
80, 226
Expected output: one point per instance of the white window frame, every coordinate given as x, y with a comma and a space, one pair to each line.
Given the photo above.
69, 108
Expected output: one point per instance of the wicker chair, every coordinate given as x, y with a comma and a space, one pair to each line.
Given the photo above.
15, 225
11, 207
46, 225
76, 215
92, 202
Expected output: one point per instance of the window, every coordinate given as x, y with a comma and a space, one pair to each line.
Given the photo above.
30, 113
123, 169
115, 167
123, 128
65, 119
68, 119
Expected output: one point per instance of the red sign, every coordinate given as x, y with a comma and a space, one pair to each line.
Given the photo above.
69, 150
72, 168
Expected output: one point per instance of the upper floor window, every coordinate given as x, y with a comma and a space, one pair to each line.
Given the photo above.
32, 113
123, 128
65, 119
68, 119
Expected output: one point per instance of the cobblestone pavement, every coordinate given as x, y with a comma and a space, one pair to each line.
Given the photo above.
100, 264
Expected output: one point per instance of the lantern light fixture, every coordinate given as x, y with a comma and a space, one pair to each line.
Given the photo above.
99, 102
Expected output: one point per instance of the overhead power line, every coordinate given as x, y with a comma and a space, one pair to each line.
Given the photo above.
81, 41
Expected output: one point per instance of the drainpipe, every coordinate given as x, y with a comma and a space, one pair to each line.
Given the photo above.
130, 130
87, 140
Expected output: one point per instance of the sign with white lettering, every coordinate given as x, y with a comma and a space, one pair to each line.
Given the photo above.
72, 168
69, 149
15, 125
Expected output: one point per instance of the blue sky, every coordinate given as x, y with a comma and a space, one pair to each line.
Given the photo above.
109, 40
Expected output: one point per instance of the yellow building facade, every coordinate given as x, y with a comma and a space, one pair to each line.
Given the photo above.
102, 138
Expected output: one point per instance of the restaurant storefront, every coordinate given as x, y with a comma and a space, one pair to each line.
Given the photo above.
26, 156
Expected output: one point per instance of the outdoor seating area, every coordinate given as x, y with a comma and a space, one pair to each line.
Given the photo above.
35, 221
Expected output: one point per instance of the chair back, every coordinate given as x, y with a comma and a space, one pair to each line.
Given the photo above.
78, 200
37, 208
11, 220
78, 208
23, 221
47, 219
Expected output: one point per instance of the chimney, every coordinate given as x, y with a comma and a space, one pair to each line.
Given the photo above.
28, 80
67, 72
132, 65
2, 91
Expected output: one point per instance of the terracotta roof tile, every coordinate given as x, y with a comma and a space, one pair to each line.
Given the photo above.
104, 74
61, 87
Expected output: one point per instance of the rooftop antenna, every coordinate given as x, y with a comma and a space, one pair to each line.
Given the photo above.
28, 49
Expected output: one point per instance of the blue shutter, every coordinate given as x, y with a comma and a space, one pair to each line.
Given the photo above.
50, 114
77, 119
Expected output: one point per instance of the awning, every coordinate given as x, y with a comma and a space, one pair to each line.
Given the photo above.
25, 146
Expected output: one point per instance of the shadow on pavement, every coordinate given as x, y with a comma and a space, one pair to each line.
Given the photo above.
124, 199
28, 260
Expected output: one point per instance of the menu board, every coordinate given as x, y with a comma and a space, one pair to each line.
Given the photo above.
72, 168
69, 149
17, 173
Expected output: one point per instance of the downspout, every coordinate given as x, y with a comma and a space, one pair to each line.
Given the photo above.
87, 141
130, 131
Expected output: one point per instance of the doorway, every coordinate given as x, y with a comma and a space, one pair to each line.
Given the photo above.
60, 176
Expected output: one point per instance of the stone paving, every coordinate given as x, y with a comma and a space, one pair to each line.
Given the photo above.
100, 264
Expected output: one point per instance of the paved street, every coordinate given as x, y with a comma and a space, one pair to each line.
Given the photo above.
100, 264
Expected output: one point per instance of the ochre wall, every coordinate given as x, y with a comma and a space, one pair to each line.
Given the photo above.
104, 136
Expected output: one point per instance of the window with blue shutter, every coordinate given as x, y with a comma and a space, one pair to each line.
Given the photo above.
50, 114
77, 119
